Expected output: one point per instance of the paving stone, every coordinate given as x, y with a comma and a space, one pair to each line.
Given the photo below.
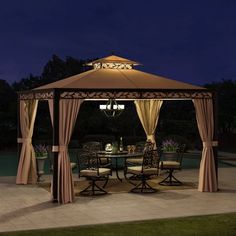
29, 207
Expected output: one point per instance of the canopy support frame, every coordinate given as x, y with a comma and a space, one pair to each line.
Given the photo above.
129, 94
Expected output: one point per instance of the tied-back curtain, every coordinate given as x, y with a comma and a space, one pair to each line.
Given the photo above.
205, 122
50, 105
68, 111
148, 113
26, 172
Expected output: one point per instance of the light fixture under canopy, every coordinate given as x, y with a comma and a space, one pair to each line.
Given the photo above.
112, 108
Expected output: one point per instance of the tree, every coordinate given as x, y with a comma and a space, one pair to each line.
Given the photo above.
226, 90
8, 122
27, 83
55, 69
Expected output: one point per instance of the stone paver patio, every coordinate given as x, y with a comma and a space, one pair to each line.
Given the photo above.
29, 207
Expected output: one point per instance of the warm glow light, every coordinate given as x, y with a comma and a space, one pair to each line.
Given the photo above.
112, 109
114, 65
102, 107
121, 106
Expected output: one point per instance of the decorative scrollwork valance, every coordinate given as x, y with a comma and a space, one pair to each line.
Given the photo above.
107, 94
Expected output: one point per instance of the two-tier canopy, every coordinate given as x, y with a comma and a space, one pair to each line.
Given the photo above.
115, 76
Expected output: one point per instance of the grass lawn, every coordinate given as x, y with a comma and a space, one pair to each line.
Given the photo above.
223, 224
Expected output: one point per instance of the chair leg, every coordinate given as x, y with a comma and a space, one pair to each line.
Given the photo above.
143, 186
169, 179
93, 189
106, 181
132, 178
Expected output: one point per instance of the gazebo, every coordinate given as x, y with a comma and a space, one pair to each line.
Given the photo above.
112, 77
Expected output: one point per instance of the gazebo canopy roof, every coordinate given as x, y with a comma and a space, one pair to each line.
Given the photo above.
113, 59
115, 72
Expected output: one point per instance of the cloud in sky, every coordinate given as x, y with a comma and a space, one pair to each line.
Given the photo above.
192, 41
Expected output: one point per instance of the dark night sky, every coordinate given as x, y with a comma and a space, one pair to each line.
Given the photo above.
187, 40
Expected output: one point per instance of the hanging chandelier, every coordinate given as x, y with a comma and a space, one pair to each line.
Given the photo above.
112, 108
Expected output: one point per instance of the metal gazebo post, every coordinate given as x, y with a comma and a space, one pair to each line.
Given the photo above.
56, 98
215, 135
19, 135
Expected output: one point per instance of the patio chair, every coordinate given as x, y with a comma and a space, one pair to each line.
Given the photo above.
89, 167
94, 146
139, 148
134, 161
144, 172
172, 162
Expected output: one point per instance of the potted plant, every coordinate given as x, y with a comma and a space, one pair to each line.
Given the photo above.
169, 145
169, 148
40, 154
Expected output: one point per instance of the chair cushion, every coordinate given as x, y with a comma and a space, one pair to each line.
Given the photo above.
137, 170
104, 171
92, 172
134, 160
169, 165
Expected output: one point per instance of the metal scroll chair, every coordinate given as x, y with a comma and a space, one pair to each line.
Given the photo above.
172, 162
89, 167
148, 168
94, 146
135, 161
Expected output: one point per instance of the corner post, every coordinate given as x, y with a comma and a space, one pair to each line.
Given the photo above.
56, 99
215, 135
19, 135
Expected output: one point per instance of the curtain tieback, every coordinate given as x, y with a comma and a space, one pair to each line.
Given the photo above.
210, 144
24, 140
150, 137
61, 148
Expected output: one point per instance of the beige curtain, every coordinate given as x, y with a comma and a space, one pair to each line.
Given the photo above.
148, 112
68, 111
205, 122
50, 105
26, 172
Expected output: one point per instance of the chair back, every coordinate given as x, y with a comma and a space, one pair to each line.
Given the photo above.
147, 156
155, 158
174, 156
95, 147
92, 146
88, 161
180, 152
148, 146
170, 156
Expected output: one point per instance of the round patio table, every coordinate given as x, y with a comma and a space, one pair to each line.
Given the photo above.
117, 156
